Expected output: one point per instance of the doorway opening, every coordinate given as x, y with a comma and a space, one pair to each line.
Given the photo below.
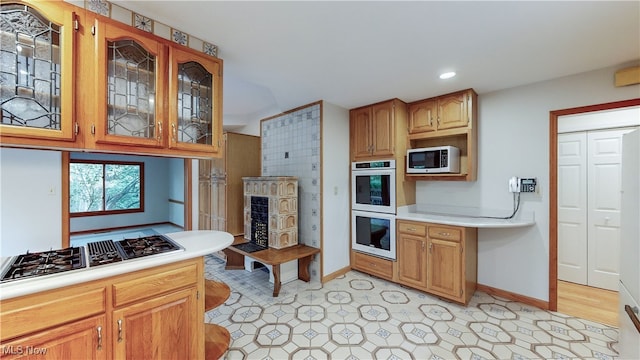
565, 295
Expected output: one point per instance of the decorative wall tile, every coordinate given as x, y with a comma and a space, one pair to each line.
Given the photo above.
210, 49
143, 23
162, 30
195, 43
101, 7
121, 14
179, 37
291, 147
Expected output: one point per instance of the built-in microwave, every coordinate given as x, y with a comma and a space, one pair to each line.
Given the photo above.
373, 186
433, 160
374, 233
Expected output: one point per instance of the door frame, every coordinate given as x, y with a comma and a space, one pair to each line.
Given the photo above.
553, 185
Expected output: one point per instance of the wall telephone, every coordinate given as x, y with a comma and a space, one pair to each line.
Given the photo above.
517, 185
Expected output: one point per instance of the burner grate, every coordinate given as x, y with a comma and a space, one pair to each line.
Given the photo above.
103, 252
145, 246
44, 263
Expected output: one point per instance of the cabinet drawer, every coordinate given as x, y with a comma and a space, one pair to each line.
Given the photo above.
445, 233
373, 265
31, 313
149, 286
412, 228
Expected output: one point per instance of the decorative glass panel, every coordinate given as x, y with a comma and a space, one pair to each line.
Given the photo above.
29, 68
195, 97
131, 89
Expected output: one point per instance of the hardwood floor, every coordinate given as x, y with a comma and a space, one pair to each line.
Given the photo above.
588, 303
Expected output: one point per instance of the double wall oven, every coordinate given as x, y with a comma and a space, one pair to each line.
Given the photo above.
373, 208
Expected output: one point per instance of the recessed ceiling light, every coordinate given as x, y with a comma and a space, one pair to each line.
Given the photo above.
447, 75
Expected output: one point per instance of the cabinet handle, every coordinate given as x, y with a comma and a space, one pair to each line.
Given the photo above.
422, 246
119, 330
159, 131
444, 234
76, 128
174, 137
99, 337
411, 229
431, 248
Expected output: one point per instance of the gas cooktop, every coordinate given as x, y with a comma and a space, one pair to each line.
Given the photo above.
97, 253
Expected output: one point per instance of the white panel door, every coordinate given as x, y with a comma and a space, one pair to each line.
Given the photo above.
572, 207
603, 233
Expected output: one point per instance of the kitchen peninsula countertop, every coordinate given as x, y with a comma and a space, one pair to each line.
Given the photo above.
195, 243
464, 216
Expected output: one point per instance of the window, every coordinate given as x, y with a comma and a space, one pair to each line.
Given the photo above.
105, 187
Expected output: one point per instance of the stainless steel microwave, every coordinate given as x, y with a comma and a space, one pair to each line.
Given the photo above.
433, 160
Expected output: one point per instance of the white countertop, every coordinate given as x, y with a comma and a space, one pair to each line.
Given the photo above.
195, 243
465, 216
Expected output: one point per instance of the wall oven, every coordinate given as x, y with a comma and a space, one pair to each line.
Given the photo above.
374, 233
373, 208
373, 186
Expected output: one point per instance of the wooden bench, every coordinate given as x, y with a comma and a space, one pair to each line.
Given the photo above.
302, 253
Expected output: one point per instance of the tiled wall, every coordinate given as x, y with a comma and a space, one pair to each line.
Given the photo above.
144, 23
291, 147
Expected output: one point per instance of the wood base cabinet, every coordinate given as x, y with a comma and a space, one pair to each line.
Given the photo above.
155, 313
438, 259
374, 265
412, 254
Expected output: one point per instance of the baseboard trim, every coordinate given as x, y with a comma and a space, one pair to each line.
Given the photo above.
513, 296
335, 274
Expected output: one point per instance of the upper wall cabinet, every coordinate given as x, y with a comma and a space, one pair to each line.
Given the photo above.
161, 98
373, 130
446, 120
129, 97
444, 112
37, 47
98, 84
195, 93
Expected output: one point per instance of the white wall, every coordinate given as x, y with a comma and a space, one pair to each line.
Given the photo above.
513, 131
30, 211
335, 188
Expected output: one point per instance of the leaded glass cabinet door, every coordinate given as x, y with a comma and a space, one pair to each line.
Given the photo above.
37, 70
195, 101
130, 96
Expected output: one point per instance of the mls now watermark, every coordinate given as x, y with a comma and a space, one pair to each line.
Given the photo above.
23, 350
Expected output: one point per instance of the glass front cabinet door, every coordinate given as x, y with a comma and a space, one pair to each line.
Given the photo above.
195, 101
129, 96
37, 71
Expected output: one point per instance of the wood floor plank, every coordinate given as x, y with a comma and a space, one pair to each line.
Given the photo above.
588, 303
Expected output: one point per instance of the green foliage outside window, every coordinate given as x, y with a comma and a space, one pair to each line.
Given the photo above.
99, 187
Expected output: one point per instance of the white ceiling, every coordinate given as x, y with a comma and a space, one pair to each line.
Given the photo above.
281, 55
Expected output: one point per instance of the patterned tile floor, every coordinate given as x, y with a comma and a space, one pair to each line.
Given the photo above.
357, 316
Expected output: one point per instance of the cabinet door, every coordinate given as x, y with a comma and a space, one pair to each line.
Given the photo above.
453, 110
445, 268
360, 133
423, 116
38, 70
129, 87
195, 101
162, 328
84, 339
383, 129
412, 261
